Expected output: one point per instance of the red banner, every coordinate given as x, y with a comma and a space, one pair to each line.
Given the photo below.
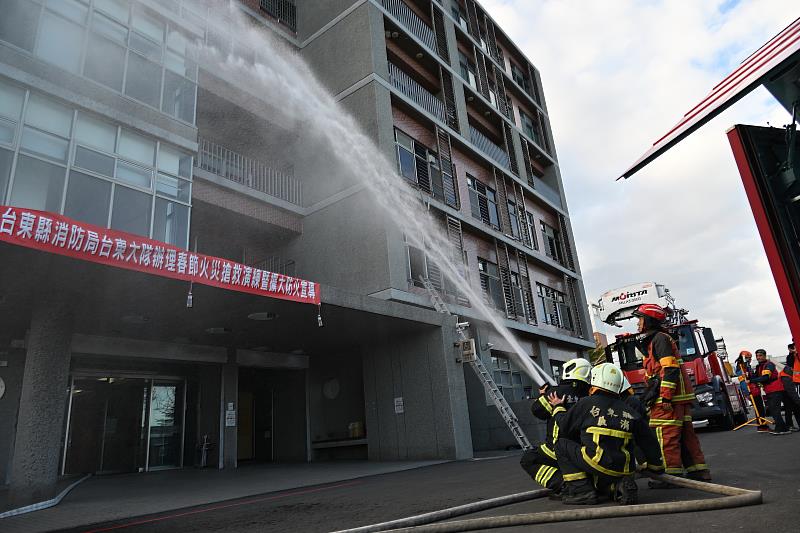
50, 232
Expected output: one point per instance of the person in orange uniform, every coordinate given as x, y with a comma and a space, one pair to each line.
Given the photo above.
669, 396
790, 377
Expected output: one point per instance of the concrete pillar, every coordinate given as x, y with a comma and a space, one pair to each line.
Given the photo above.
230, 399
40, 422
544, 356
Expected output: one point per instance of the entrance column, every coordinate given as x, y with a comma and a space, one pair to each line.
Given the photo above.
230, 399
40, 422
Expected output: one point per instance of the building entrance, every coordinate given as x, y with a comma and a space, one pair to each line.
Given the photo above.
124, 424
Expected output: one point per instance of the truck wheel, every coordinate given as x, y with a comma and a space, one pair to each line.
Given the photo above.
726, 421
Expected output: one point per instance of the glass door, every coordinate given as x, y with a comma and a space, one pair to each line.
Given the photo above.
165, 425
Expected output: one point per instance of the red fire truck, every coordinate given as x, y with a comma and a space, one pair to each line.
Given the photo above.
718, 397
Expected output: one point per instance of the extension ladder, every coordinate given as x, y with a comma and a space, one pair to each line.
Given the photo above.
507, 414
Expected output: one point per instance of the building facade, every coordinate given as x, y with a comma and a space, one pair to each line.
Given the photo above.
110, 116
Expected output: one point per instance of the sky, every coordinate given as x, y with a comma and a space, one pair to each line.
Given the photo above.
617, 75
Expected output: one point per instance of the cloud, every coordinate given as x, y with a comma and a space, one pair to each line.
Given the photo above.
617, 76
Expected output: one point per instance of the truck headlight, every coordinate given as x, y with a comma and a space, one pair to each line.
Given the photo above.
705, 397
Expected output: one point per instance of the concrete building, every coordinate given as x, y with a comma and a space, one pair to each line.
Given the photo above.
109, 117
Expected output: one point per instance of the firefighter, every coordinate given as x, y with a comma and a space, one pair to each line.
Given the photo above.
669, 396
766, 376
628, 396
596, 442
540, 462
747, 372
791, 396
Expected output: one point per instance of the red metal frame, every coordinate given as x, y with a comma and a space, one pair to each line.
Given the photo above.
758, 205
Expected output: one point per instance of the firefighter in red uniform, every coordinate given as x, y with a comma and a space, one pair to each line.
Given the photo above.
767, 377
791, 396
669, 396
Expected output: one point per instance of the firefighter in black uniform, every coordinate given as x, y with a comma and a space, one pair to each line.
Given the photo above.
596, 440
540, 462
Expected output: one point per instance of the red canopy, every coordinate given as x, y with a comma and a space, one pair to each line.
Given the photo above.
755, 70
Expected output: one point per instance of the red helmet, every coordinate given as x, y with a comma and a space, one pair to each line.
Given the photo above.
652, 310
745, 353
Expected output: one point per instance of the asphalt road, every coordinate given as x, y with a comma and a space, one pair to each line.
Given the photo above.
744, 459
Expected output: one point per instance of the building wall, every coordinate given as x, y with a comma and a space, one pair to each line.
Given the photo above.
329, 418
421, 370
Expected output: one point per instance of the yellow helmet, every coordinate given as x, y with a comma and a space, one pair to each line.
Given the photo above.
577, 368
607, 376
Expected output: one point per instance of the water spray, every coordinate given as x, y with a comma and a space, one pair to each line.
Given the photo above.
287, 79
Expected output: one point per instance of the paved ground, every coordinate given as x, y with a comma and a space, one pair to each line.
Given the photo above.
743, 459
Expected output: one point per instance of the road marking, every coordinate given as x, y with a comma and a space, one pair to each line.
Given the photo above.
218, 507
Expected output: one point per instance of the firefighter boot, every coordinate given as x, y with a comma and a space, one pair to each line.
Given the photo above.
557, 491
626, 492
700, 475
579, 493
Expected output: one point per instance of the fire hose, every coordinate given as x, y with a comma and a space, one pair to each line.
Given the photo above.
730, 497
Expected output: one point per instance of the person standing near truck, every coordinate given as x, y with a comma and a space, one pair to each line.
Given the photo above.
767, 377
790, 376
669, 396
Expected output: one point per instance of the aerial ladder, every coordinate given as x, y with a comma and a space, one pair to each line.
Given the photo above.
469, 355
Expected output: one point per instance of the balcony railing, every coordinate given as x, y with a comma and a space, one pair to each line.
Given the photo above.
416, 92
489, 148
249, 172
276, 265
411, 21
283, 10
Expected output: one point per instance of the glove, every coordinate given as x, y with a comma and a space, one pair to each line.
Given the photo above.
651, 394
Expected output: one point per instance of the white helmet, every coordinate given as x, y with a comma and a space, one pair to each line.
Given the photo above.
625, 383
577, 368
607, 376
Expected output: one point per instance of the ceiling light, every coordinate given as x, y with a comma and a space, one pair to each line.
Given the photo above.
263, 316
395, 35
470, 98
420, 55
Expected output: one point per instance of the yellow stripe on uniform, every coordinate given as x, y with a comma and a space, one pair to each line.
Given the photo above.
559, 409
656, 422
547, 451
546, 404
597, 466
546, 479
669, 362
576, 476
668, 384
594, 430
697, 467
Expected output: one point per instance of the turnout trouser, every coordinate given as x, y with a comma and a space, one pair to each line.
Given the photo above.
774, 405
791, 400
542, 467
575, 469
675, 433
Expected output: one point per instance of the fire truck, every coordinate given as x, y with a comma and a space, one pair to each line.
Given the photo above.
718, 398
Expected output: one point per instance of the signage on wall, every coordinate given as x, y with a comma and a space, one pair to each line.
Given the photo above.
50, 232
2, 388
398, 406
230, 418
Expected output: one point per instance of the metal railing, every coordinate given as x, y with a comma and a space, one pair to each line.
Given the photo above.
249, 172
419, 94
275, 264
283, 10
489, 148
411, 21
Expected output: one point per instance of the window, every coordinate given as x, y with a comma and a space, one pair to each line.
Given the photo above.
483, 202
467, 69
519, 77
514, 218
110, 39
18, 23
519, 298
531, 228
131, 211
551, 238
417, 265
37, 184
88, 199
529, 128
420, 166
459, 16
110, 176
490, 284
405, 155
553, 307
514, 384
